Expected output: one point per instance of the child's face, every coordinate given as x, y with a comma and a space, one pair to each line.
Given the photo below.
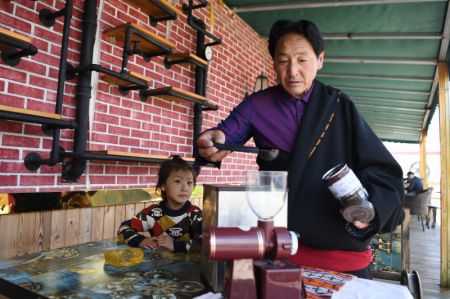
178, 188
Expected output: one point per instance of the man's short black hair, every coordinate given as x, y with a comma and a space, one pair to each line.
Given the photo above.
303, 27
410, 172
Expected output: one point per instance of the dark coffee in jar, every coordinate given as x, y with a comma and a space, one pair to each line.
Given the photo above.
347, 188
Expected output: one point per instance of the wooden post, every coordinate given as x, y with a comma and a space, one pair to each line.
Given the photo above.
423, 159
444, 131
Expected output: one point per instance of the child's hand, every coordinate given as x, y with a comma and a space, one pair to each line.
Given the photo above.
166, 242
149, 243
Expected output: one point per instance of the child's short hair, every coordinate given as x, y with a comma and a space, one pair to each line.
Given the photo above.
169, 166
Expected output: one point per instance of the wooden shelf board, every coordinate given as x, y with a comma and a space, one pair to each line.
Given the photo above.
12, 35
137, 155
154, 10
29, 112
145, 45
178, 56
123, 83
160, 92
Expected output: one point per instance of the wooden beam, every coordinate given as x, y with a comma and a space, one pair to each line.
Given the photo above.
423, 158
444, 131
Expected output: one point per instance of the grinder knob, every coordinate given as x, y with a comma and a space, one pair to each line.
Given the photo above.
285, 243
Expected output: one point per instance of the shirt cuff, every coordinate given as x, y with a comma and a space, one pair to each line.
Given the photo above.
136, 240
362, 234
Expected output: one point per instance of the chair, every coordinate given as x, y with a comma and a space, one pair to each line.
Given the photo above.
413, 283
418, 204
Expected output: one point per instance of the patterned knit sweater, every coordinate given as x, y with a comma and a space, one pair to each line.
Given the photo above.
183, 225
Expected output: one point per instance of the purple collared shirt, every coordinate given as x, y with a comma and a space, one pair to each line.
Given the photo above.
272, 117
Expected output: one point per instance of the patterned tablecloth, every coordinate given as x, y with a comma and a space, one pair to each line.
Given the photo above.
80, 272
321, 284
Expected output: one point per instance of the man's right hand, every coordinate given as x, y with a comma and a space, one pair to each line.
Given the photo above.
206, 147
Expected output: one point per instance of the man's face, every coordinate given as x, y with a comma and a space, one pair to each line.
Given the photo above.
410, 177
296, 64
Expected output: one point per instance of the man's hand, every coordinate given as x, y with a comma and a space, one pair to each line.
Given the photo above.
360, 225
205, 146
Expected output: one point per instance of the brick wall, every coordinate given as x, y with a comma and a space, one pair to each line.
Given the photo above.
118, 122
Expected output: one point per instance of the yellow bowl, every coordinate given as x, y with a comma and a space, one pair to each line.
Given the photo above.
124, 257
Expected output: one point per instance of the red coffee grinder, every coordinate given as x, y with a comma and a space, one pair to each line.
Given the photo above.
256, 269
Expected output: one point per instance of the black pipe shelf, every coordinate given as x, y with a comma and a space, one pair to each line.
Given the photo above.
182, 58
34, 116
172, 94
124, 156
127, 81
157, 10
198, 24
148, 42
14, 46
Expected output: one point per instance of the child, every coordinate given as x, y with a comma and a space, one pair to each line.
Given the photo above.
174, 223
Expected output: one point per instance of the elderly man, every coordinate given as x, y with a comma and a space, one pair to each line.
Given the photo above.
315, 127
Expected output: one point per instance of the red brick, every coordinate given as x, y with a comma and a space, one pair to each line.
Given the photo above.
119, 131
119, 111
19, 140
13, 167
6, 6
8, 180
9, 154
32, 67
43, 82
10, 100
24, 90
132, 104
12, 74
97, 169
169, 130
169, 147
11, 126
127, 179
185, 149
56, 169
21, 26
98, 127
129, 141
144, 170
160, 137
27, 14
95, 179
116, 170
106, 118
177, 140
151, 127
100, 107
39, 179
104, 138
130, 123
33, 130
140, 134
147, 180
150, 144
